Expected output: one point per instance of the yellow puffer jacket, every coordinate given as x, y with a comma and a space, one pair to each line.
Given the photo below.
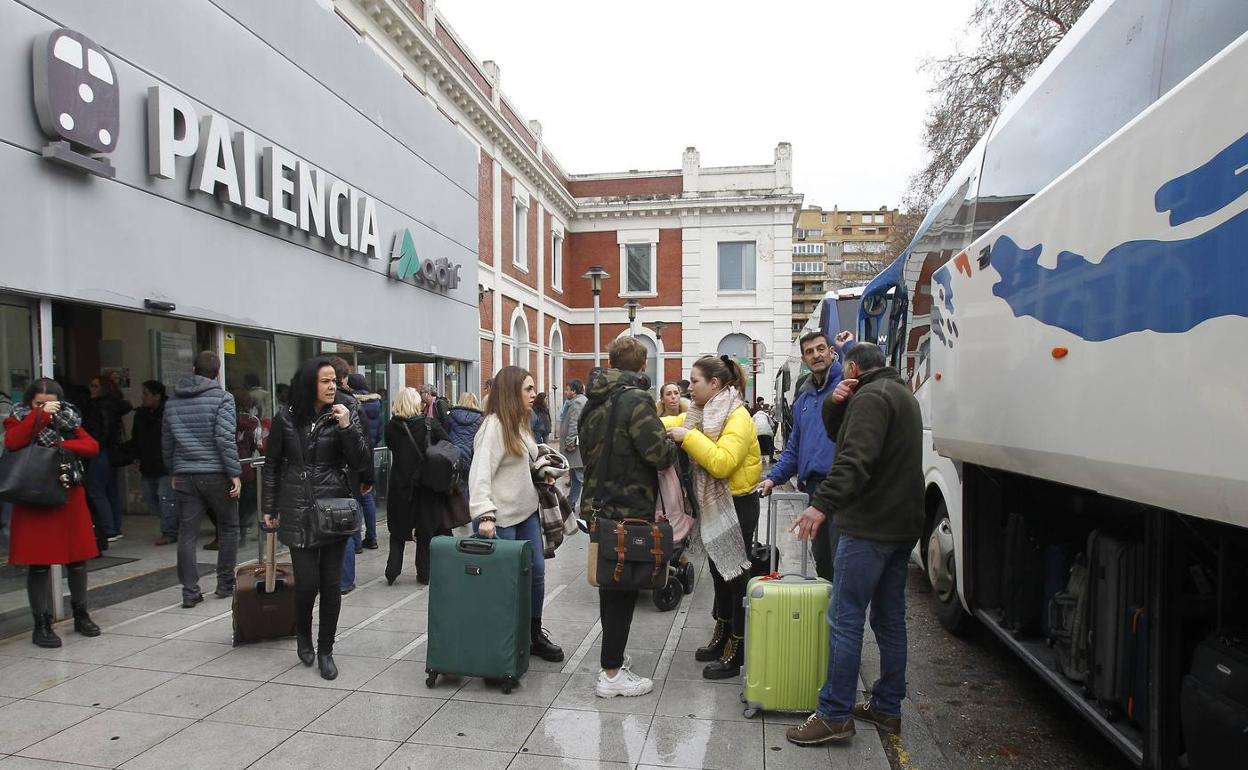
734, 457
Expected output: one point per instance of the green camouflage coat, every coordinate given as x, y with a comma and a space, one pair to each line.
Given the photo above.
639, 448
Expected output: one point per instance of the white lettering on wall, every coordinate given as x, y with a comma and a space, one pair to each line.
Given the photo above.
172, 130
279, 187
310, 191
248, 167
214, 161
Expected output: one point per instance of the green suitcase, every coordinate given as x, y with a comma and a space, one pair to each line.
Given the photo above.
479, 609
786, 635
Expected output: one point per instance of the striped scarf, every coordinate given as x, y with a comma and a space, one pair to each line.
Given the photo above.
717, 531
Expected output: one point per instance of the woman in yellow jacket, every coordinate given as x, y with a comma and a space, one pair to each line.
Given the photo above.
718, 435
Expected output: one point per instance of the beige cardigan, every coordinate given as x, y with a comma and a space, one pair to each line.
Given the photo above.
500, 483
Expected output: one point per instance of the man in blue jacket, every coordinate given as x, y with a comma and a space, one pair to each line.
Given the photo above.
808, 451
199, 447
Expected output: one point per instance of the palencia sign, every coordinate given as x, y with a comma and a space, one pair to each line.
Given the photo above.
281, 186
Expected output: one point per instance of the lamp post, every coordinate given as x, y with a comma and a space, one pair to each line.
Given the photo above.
595, 275
659, 326
633, 306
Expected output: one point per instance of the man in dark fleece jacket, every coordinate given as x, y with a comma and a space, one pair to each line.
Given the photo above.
201, 453
874, 491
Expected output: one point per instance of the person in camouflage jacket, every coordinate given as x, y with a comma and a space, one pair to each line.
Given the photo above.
636, 449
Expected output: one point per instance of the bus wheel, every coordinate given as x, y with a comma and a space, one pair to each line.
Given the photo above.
943, 575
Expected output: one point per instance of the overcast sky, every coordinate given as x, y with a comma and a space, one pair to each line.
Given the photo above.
628, 85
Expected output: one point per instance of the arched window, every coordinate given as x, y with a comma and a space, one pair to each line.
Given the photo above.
519, 341
738, 347
555, 379
652, 362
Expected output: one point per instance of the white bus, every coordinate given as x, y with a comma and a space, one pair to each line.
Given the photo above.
1072, 316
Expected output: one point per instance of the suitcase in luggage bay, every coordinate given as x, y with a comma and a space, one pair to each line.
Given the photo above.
786, 634
479, 608
264, 598
1117, 582
1213, 705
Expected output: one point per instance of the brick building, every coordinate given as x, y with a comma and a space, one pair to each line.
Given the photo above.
706, 251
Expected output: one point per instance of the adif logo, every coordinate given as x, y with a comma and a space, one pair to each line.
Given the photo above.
76, 99
439, 274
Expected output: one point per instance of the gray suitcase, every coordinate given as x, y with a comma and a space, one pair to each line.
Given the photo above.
1118, 580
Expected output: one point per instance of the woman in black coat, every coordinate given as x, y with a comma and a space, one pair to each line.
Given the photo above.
411, 508
316, 439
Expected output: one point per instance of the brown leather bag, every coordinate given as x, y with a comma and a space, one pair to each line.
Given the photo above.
633, 554
264, 597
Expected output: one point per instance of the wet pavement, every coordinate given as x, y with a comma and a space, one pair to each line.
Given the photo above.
163, 687
983, 707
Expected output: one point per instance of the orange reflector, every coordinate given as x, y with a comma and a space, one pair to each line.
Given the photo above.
938, 376
1060, 352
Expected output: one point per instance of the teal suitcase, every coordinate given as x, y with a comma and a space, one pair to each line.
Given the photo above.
786, 634
479, 609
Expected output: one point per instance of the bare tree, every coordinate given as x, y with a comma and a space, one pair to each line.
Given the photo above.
1014, 37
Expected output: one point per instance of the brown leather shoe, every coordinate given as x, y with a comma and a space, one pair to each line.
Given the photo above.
867, 713
817, 731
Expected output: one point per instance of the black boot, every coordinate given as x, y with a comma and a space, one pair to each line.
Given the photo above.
43, 635
714, 648
303, 645
329, 669
83, 623
729, 664
540, 644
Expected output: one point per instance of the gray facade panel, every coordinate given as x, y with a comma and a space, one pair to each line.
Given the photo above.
201, 51
119, 241
85, 239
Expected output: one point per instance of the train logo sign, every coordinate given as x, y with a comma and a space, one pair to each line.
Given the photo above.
76, 100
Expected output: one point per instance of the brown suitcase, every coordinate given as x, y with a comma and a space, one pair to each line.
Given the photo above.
264, 598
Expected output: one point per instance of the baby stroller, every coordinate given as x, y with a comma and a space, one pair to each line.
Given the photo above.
680, 573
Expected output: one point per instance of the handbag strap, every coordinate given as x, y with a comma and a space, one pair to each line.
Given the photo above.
412, 438
613, 421
305, 460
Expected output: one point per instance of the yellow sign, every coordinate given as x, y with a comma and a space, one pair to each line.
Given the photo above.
229, 343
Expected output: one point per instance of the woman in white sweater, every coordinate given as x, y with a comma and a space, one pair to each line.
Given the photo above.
502, 499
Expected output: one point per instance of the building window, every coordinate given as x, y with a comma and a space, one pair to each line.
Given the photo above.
520, 236
879, 219
638, 268
556, 261
823, 219
849, 219
519, 341
847, 230
736, 266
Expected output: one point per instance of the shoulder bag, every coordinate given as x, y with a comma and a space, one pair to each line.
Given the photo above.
331, 517
36, 475
440, 469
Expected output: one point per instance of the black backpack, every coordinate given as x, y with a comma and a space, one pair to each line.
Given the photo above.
439, 469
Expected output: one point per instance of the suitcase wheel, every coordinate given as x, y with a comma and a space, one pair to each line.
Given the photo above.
509, 684
432, 679
668, 597
750, 712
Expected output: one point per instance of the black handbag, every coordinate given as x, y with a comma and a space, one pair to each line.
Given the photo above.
36, 475
633, 554
331, 517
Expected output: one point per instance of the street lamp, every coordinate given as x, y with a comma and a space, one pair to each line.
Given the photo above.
595, 275
633, 306
659, 326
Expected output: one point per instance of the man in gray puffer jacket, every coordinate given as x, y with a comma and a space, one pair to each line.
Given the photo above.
198, 441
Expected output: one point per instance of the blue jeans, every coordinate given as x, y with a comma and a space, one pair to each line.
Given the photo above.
158, 492
368, 504
868, 572
530, 529
105, 494
348, 562
576, 478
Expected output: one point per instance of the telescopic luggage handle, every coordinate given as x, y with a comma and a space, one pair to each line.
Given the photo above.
773, 530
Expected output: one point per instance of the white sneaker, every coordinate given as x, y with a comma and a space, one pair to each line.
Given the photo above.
625, 683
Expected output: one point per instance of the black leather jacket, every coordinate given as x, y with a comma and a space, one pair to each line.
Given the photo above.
328, 452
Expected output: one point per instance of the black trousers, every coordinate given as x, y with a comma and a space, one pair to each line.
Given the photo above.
615, 609
318, 571
423, 535
823, 547
729, 594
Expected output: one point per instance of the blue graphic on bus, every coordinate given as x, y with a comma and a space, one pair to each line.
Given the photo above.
1163, 286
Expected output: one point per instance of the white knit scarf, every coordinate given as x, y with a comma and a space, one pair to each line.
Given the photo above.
717, 531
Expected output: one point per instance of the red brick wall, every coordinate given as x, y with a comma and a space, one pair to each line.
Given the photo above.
579, 338
487, 360
669, 256
508, 309
580, 252
487, 312
671, 371
465, 62
507, 223
553, 168
525, 135
418, 6
414, 374
485, 208
577, 369
645, 185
